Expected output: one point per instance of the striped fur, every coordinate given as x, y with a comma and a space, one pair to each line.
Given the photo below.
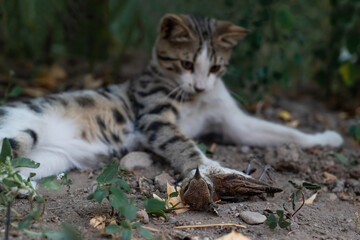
178, 96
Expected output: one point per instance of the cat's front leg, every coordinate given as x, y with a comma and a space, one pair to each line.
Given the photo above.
241, 128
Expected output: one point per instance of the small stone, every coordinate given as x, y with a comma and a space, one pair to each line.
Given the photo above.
355, 172
143, 216
135, 160
293, 226
332, 196
233, 208
245, 149
162, 180
252, 217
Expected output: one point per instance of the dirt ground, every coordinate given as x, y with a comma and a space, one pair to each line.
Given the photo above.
331, 216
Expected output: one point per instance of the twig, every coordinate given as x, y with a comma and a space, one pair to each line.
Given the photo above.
303, 202
151, 229
212, 225
8, 219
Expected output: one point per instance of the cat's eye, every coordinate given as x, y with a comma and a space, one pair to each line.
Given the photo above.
215, 68
187, 65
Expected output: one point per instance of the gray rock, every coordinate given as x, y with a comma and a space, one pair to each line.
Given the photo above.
252, 217
162, 179
135, 160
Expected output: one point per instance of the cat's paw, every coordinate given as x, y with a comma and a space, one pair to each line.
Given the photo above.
330, 138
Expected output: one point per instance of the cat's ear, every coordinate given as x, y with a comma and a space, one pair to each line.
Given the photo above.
228, 34
173, 28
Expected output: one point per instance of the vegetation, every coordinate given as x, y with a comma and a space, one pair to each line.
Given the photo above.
284, 216
13, 184
291, 41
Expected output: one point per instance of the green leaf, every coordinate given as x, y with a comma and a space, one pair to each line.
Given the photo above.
294, 184
357, 134
25, 223
31, 175
70, 232
152, 204
108, 174
145, 233
99, 195
24, 162
285, 19
10, 183
112, 228
117, 198
5, 150
271, 221
40, 199
50, 183
53, 234
341, 158
280, 213
173, 194
293, 201
352, 129
282, 221
126, 235
204, 148
130, 212
32, 234
311, 186
124, 185
136, 225
15, 91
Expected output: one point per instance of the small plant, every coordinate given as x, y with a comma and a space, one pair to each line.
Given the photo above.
284, 215
111, 186
344, 160
12, 183
10, 90
354, 130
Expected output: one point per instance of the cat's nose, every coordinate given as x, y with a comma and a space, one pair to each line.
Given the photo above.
199, 90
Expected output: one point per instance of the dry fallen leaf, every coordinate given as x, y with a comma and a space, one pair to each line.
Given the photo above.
284, 115
50, 77
98, 222
176, 200
234, 235
293, 123
311, 199
329, 178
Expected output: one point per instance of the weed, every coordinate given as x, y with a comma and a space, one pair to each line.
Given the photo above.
284, 216
354, 130
12, 183
10, 91
111, 186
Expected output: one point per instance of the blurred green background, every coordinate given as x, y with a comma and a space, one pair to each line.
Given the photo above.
293, 42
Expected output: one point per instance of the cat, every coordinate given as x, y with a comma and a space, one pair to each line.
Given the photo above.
179, 96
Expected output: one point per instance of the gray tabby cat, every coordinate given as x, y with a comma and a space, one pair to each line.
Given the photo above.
178, 97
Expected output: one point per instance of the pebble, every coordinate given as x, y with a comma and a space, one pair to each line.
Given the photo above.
233, 208
136, 160
245, 149
143, 216
252, 217
332, 196
162, 180
293, 226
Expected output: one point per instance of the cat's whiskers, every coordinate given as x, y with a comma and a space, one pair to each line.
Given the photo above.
172, 92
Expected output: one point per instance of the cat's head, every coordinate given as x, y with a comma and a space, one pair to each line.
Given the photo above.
195, 51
